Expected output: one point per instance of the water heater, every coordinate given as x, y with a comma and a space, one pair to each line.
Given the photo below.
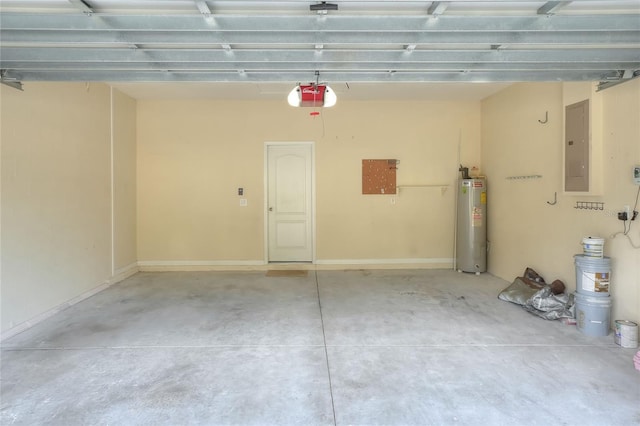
471, 234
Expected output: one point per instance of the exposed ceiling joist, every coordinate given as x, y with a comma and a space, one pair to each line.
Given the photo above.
370, 41
71, 24
272, 56
387, 76
324, 66
285, 38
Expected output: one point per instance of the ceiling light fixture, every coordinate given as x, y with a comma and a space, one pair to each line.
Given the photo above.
312, 95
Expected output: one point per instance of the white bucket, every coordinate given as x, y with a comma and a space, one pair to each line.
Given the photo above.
626, 334
592, 315
593, 247
592, 275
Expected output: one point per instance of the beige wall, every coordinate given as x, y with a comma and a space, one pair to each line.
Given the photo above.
523, 229
56, 196
621, 141
59, 214
124, 181
193, 155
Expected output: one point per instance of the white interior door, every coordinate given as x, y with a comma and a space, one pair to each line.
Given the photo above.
290, 203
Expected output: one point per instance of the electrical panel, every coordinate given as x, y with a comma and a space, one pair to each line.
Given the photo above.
576, 149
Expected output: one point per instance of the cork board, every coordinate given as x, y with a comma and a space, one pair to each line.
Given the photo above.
379, 176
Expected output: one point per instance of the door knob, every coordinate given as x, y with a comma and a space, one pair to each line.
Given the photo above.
270, 209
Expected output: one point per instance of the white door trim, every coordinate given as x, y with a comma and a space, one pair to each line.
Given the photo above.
266, 195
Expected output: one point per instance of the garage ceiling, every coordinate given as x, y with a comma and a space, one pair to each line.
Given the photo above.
274, 44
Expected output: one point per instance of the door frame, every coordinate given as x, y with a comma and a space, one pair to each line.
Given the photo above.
266, 196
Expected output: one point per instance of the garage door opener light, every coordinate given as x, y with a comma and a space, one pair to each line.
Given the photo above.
312, 95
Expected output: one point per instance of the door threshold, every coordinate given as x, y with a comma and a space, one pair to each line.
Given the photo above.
291, 265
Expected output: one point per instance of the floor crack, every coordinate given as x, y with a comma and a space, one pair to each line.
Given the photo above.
326, 353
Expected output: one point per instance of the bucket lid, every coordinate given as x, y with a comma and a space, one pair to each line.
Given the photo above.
593, 240
627, 323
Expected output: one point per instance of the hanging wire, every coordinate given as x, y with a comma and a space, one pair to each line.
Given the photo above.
626, 229
630, 219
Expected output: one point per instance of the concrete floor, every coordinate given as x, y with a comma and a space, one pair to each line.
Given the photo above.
417, 347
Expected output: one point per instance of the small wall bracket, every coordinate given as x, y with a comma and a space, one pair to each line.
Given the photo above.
11, 82
555, 199
546, 118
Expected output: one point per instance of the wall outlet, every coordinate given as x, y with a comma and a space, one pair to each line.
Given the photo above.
625, 214
243, 202
636, 175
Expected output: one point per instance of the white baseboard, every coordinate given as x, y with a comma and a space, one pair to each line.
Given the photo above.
125, 272
121, 274
200, 265
259, 265
418, 263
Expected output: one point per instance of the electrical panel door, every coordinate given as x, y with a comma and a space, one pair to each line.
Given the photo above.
576, 147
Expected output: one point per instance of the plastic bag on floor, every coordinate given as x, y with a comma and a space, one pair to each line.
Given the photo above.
519, 291
523, 287
545, 304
